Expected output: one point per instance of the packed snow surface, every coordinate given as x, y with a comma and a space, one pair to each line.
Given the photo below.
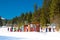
31, 35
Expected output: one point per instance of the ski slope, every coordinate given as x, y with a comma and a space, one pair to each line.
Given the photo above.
31, 35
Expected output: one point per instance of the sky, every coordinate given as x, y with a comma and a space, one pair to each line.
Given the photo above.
11, 8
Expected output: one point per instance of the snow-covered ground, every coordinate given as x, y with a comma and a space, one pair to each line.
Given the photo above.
31, 35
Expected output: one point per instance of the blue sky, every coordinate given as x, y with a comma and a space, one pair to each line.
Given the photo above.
12, 8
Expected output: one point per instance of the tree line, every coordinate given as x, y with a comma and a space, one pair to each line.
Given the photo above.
47, 14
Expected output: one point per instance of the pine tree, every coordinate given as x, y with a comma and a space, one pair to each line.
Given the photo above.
1, 24
29, 17
45, 7
34, 15
55, 12
51, 14
42, 18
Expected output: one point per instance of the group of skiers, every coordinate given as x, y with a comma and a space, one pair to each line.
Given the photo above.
16, 29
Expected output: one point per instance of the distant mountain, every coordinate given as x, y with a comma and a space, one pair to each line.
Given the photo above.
2, 18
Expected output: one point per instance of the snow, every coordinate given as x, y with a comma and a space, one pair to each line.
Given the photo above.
2, 18
31, 35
